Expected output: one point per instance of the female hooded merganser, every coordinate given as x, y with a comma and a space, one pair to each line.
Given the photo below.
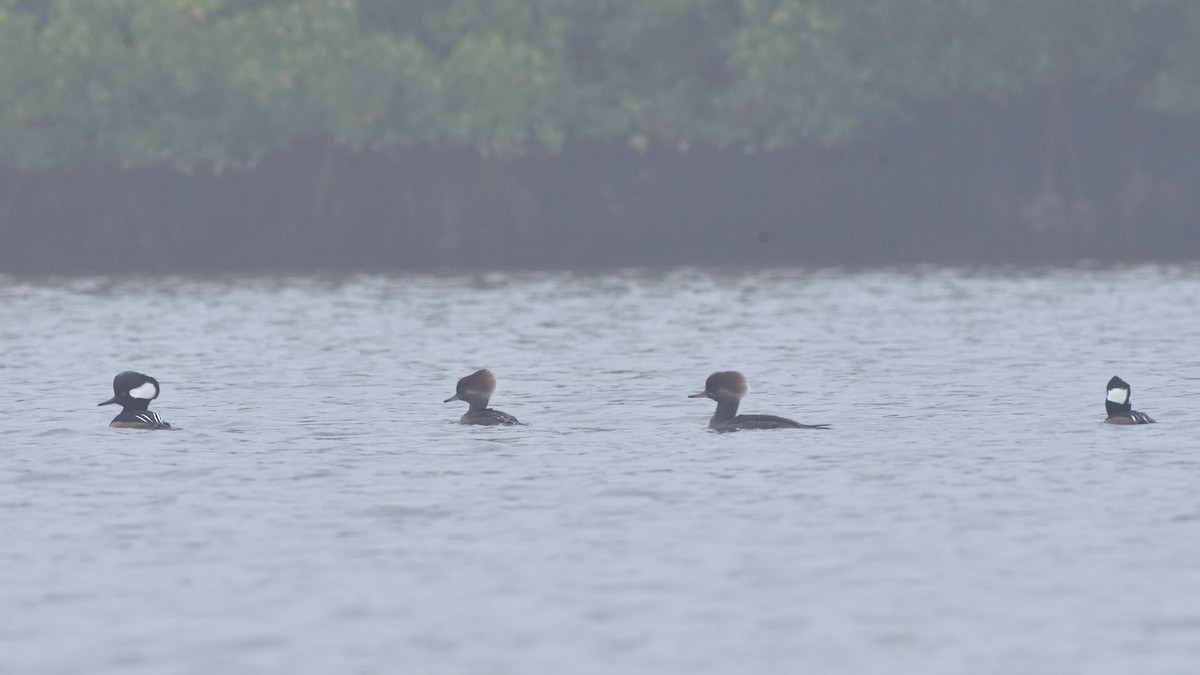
727, 388
1120, 411
476, 389
134, 391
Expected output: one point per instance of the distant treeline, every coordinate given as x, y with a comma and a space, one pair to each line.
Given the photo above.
377, 133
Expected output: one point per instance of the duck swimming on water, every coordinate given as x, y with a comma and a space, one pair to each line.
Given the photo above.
476, 389
727, 388
133, 392
1117, 404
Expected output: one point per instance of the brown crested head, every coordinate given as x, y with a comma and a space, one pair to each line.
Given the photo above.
479, 384
723, 385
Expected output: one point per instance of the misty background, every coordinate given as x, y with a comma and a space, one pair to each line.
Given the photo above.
603, 202
167, 135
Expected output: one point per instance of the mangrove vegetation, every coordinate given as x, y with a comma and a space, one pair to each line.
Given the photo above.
242, 134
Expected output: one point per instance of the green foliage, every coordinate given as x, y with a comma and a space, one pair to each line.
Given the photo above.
650, 71
1175, 85
222, 83
794, 77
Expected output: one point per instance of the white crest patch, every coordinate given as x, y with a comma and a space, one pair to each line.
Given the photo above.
147, 391
1118, 395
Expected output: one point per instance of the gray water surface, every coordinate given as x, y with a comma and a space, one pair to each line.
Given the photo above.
320, 511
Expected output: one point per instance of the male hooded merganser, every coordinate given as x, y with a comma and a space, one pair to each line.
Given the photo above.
727, 388
476, 389
134, 391
1120, 411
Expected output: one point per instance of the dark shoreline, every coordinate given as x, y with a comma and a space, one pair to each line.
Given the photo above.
959, 186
